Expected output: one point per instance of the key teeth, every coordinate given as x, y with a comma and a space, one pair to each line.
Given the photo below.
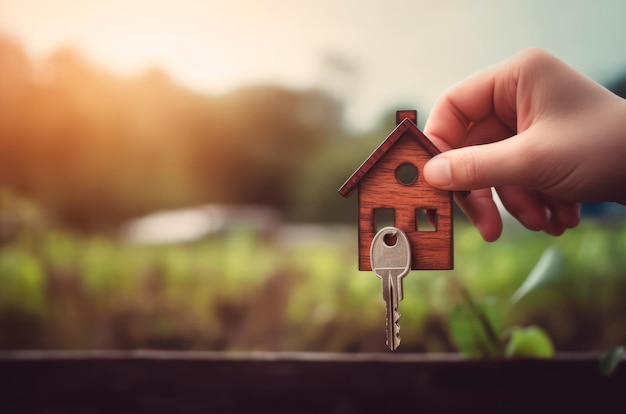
397, 326
396, 331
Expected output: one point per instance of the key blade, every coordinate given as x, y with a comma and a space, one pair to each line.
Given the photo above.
393, 316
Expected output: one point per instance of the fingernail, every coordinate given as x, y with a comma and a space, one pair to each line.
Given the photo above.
438, 172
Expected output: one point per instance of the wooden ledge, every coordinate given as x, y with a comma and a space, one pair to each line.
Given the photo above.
140, 354
203, 382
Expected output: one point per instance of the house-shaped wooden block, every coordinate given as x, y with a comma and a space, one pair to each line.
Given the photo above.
391, 186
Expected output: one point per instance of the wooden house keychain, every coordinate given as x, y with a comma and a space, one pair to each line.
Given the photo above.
390, 180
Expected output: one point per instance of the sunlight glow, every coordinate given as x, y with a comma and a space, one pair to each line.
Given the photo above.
406, 52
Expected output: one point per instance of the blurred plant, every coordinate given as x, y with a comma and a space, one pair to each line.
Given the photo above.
240, 290
477, 327
610, 360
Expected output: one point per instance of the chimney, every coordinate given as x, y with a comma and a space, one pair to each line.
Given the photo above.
406, 113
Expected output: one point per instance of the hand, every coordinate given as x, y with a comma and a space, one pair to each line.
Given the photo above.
543, 135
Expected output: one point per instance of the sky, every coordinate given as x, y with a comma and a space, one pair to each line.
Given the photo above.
398, 53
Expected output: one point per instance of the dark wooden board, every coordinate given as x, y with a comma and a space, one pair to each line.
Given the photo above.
199, 382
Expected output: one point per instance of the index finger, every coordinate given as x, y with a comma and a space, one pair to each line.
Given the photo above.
490, 91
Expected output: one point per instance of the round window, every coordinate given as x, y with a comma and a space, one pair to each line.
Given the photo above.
406, 174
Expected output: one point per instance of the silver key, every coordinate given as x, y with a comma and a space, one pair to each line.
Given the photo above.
390, 256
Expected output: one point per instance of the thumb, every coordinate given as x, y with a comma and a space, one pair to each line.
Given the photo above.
480, 166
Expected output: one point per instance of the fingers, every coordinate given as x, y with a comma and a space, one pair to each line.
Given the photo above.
491, 92
482, 211
493, 129
533, 210
489, 129
480, 166
538, 212
563, 215
527, 206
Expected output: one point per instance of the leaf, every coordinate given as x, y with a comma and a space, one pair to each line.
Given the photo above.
610, 360
463, 330
548, 269
474, 329
529, 342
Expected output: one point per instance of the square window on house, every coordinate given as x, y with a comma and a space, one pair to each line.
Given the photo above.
384, 217
425, 219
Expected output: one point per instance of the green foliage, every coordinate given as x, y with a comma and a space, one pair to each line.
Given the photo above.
477, 332
242, 290
547, 271
529, 342
475, 329
22, 281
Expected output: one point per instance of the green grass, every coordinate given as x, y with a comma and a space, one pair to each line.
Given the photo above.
241, 291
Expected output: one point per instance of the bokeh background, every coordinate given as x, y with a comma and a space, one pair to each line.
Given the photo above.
169, 174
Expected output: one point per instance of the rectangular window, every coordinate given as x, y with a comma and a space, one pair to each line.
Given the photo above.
384, 217
425, 219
